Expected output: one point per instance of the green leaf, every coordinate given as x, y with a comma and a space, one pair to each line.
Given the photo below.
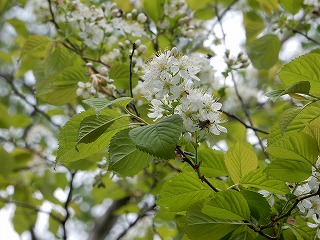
159, 139
291, 6
204, 14
258, 179
301, 230
240, 160
6, 163
183, 191
212, 162
154, 9
287, 117
259, 206
299, 87
124, 157
23, 219
120, 74
229, 205
304, 68
253, 24
35, 46
198, 225
263, 52
69, 149
197, 5
243, 233
60, 89
92, 127
296, 147
313, 130
288, 170
100, 103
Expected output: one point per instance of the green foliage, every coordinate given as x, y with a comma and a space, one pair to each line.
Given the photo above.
158, 139
182, 192
264, 51
240, 160
291, 6
120, 74
125, 158
71, 149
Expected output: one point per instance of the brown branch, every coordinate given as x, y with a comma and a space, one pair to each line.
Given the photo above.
186, 159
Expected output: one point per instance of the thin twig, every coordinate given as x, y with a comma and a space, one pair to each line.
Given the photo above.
130, 79
186, 159
306, 36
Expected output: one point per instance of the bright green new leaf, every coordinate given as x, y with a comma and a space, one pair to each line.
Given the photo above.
313, 130
92, 127
120, 74
299, 87
182, 191
259, 206
124, 157
304, 68
35, 46
199, 225
159, 139
263, 52
287, 117
23, 219
240, 160
301, 230
291, 6
60, 89
197, 5
253, 24
100, 103
229, 205
70, 150
288, 170
154, 9
6, 163
212, 162
204, 14
243, 233
296, 146
258, 179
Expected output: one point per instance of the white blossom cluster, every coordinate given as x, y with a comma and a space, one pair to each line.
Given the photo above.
171, 84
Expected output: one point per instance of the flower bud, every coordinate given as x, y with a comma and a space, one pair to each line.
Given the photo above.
142, 18
137, 42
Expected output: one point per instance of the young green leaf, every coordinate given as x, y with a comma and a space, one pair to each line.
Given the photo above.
295, 146
212, 162
182, 191
100, 103
304, 68
302, 87
120, 74
229, 205
197, 224
291, 6
287, 117
263, 52
253, 24
35, 45
240, 160
158, 139
258, 179
124, 157
69, 148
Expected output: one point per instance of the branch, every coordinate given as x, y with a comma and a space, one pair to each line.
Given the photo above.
244, 124
306, 36
66, 206
34, 208
140, 216
196, 168
130, 79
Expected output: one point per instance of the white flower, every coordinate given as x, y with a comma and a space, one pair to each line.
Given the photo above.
92, 35
316, 224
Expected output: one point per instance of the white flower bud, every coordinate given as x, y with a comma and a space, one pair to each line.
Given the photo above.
113, 5
129, 16
127, 42
81, 84
134, 12
89, 64
142, 18
174, 51
137, 42
142, 49
104, 71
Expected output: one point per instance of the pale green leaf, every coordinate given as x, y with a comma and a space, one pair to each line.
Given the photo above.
314, 131
120, 74
183, 191
36, 45
69, 149
153, 9
299, 87
100, 103
287, 117
259, 206
23, 219
291, 6
198, 225
124, 157
159, 139
229, 204
6, 163
212, 162
240, 160
253, 24
288, 170
60, 89
258, 179
296, 147
304, 68
263, 52
196, 5
204, 14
